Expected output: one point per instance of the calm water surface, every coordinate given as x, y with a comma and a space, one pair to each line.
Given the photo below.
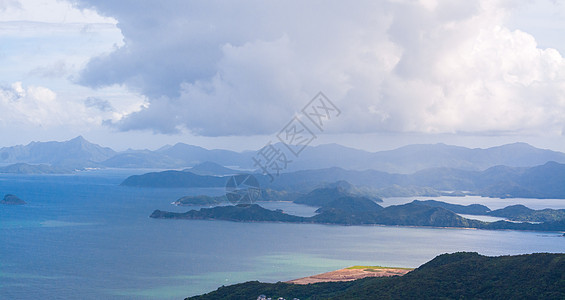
85, 237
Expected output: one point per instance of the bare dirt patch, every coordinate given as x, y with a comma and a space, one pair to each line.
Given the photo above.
350, 274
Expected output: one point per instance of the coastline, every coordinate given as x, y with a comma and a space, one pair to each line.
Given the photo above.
351, 273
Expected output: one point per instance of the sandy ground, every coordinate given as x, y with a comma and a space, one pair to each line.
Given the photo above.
349, 275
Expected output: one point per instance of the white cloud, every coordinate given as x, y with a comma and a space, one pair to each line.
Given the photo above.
55, 12
37, 106
30, 105
397, 66
49, 39
478, 76
43, 46
9, 4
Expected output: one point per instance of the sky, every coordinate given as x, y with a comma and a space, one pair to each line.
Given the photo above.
232, 74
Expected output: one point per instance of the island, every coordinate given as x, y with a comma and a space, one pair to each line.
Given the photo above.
240, 213
174, 179
211, 168
343, 211
10, 199
200, 200
204, 200
351, 210
521, 213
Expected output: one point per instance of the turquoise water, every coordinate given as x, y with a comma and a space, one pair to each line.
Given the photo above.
85, 237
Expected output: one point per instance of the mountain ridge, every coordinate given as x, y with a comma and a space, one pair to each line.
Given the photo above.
80, 153
543, 182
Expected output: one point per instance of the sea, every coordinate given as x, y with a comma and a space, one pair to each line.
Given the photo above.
83, 236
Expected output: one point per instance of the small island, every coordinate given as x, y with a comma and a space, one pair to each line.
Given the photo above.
201, 200
10, 199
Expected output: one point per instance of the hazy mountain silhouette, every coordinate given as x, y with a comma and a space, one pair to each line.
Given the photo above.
412, 158
545, 181
211, 168
143, 159
193, 155
23, 168
78, 152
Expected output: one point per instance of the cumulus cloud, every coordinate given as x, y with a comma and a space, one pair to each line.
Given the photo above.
98, 103
30, 105
46, 12
41, 107
57, 69
5, 4
224, 68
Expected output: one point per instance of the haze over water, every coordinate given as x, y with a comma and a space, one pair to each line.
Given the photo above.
85, 237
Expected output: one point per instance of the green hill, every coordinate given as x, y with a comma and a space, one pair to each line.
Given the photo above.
522, 213
240, 212
459, 275
174, 179
472, 209
325, 195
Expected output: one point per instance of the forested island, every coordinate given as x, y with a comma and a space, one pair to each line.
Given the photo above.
351, 210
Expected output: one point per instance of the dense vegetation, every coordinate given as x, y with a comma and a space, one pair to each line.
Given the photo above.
448, 276
241, 212
330, 192
351, 210
472, 209
521, 213
344, 211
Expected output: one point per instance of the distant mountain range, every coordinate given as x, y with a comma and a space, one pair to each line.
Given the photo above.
79, 153
414, 158
544, 181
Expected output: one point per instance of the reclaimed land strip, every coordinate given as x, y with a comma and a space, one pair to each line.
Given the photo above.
352, 273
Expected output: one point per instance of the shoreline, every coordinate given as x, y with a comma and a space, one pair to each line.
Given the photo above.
352, 273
